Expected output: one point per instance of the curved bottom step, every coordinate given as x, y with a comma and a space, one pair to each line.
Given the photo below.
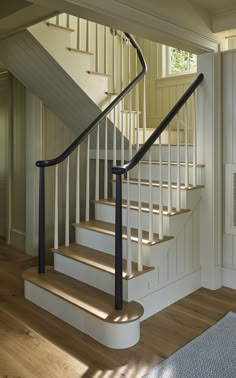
84, 307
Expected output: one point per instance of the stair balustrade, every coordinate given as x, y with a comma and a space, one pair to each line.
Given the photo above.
111, 118
119, 118
121, 170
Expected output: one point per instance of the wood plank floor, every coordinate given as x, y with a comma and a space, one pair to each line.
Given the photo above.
34, 343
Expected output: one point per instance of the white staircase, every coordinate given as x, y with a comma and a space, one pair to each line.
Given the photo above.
160, 209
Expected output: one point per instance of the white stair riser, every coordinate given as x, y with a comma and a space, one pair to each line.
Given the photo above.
188, 197
155, 169
171, 224
152, 255
134, 288
164, 153
117, 336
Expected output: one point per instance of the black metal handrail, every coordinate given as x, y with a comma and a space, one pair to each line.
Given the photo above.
122, 169
47, 163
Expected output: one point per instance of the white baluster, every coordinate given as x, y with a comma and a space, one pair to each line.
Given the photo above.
122, 137
114, 61
87, 36
160, 194
140, 236
97, 167
114, 137
178, 202
78, 33
169, 172
122, 102
77, 210
129, 252
67, 216
144, 110
106, 164
122, 66
137, 101
194, 140
87, 181
114, 145
150, 197
129, 105
105, 50
97, 49
186, 145
56, 210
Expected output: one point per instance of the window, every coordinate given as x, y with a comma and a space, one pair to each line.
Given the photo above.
181, 61
177, 62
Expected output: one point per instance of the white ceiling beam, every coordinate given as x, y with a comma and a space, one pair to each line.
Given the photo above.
133, 16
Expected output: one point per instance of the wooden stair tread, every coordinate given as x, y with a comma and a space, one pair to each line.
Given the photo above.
172, 163
97, 259
109, 229
164, 184
60, 27
172, 144
79, 51
88, 298
97, 73
111, 93
145, 207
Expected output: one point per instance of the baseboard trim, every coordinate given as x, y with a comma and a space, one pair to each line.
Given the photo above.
170, 294
229, 278
17, 238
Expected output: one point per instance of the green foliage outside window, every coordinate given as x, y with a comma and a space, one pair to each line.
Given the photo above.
182, 61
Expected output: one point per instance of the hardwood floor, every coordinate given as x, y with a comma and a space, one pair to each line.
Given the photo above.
34, 343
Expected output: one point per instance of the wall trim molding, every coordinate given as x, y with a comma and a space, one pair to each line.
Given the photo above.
124, 16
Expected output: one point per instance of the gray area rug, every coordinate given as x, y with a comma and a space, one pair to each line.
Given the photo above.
212, 354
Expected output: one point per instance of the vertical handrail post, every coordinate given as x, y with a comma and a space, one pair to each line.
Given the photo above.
41, 255
118, 246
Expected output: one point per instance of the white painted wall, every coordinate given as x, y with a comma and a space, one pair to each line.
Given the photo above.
18, 159
229, 156
5, 120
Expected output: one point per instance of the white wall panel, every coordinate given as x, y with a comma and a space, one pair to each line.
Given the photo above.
4, 131
18, 161
229, 137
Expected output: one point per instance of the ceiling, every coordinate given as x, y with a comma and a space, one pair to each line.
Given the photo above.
7, 8
215, 5
221, 12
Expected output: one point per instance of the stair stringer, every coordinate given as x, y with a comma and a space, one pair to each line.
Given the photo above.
56, 42
39, 72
